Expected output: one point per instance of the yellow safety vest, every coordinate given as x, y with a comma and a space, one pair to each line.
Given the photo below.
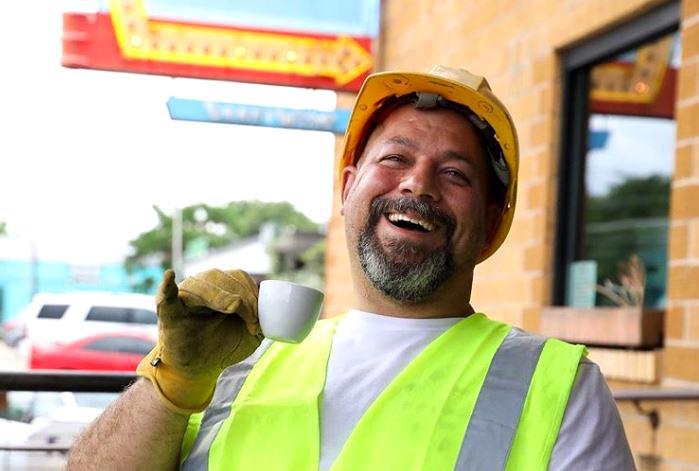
470, 400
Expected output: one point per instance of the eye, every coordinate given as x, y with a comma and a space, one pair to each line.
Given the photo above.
457, 176
393, 159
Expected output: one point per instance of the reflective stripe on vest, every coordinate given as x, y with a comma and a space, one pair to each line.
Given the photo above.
227, 387
433, 415
491, 430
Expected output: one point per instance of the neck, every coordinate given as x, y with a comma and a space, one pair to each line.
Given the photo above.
450, 300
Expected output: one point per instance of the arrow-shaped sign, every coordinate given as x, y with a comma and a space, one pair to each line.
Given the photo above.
139, 37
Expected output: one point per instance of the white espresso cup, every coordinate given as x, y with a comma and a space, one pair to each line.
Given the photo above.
288, 311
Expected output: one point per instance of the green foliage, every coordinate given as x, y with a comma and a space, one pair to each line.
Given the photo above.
633, 198
310, 273
3, 228
205, 226
630, 219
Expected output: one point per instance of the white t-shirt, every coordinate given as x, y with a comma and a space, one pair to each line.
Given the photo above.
369, 350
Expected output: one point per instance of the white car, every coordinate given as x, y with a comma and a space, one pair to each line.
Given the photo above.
46, 419
63, 317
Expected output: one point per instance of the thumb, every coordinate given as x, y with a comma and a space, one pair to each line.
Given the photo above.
167, 290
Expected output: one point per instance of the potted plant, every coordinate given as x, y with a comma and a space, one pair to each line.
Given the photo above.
627, 323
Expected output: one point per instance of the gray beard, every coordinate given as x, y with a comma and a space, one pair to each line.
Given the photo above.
389, 269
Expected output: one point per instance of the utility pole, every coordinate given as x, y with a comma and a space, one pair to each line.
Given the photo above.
177, 256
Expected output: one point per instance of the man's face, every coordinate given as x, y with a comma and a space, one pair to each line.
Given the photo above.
415, 204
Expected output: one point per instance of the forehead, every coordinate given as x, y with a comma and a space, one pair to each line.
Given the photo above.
433, 128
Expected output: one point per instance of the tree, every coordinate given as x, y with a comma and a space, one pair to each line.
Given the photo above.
631, 219
632, 198
310, 269
3, 228
205, 226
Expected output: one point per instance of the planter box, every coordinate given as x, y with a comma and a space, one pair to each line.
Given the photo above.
609, 326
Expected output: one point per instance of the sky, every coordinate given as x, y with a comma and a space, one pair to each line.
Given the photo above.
637, 147
86, 154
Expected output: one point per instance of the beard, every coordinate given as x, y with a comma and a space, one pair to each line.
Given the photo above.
391, 267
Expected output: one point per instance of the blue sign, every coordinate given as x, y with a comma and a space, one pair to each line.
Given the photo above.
233, 113
597, 139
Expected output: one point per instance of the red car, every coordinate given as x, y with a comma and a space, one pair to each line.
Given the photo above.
106, 351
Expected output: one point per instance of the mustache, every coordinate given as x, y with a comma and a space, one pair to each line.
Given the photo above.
426, 210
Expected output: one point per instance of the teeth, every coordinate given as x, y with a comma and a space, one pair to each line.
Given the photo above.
394, 217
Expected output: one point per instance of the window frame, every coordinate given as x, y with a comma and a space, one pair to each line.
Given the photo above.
575, 64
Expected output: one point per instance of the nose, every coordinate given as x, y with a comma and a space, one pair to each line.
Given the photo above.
420, 182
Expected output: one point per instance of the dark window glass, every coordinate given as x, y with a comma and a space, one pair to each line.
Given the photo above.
143, 316
107, 344
121, 344
52, 311
108, 314
139, 346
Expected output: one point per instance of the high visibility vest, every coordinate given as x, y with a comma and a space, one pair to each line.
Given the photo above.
475, 398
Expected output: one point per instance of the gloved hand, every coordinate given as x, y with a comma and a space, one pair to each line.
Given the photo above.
207, 324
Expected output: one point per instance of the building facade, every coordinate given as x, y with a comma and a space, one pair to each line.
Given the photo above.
600, 225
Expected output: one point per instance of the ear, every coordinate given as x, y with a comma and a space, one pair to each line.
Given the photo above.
493, 216
349, 174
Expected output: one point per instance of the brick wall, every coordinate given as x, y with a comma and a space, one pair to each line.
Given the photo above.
514, 44
682, 336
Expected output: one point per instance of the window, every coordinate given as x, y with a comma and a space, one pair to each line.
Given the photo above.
616, 166
143, 316
108, 314
122, 314
52, 311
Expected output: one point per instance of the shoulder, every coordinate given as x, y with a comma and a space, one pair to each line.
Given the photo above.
592, 434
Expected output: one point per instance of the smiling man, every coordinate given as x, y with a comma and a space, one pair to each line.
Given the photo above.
417, 213
412, 377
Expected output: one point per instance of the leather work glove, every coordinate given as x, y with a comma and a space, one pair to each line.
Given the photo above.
205, 325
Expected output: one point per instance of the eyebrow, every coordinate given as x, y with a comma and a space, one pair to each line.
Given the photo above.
411, 144
452, 154
403, 141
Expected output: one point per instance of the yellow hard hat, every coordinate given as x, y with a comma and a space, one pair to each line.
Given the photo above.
459, 86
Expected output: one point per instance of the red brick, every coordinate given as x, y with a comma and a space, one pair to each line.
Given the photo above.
687, 118
690, 42
682, 363
683, 282
693, 324
678, 242
684, 203
688, 81
676, 443
690, 8
684, 162
674, 322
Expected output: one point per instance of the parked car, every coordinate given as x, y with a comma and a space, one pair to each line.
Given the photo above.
46, 418
68, 316
108, 351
